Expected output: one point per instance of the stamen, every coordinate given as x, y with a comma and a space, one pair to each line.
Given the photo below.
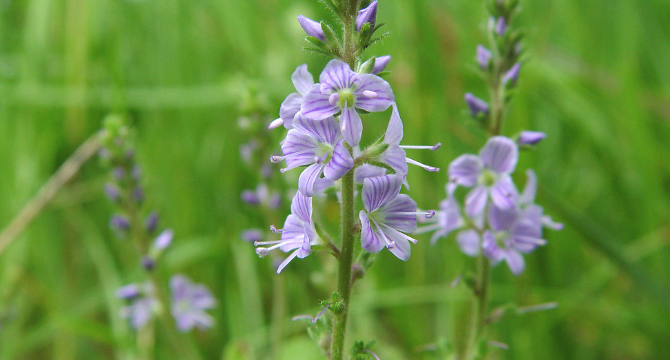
334, 98
275, 230
389, 244
262, 252
272, 242
301, 317
370, 94
413, 240
422, 147
428, 168
371, 353
457, 280
276, 159
428, 214
498, 344
276, 123
323, 311
429, 228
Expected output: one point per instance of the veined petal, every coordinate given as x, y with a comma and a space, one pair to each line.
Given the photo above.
371, 240
340, 163
308, 177
366, 170
299, 149
514, 260
394, 213
302, 79
502, 219
500, 154
530, 189
289, 108
292, 233
394, 132
468, 241
449, 216
337, 75
378, 191
504, 194
351, 126
325, 131
401, 248
306, 246
374, 83
475, 201
465, 170
526, 244
301, 206
316, 106
395, 157
491, 249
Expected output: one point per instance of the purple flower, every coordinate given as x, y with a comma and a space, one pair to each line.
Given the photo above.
119, 223
531, 210
189, 302
143, 304
151, 222
311, 27
512, 74
476, 105
367, 15
343, 90
447, 219
501, 26
319, 145
483, 57
380, 63
387, 215
252, 235
298, 233
112, 192
367, 171
163, 240
261, 196
489, 174
530, 137
303, 82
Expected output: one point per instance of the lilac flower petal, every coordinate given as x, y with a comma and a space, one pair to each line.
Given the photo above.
128, 292
512, 74
179, 285
476, 105
475, 201
502, 219
292, 234
351, 126
337, 75
287, 261
526, 244
394, 131
340, 163
548, 222
299, 149
380, 63
530, 189
321, 185
325, 131
394, 213
515, 261
164, 239
289, 108
401, 248
530, 137
301, 207
308, 177
465, 170
311, 27
395, 157
500, 154
316, 106
371, 240
491, 249
384, 95
468, 241
366, 170
302, 79
378, 191
483, 57
305, 248
367, 15
202, 298
449, 218
504, 194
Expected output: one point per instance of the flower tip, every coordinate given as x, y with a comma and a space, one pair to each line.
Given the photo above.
276, 159
433, 169
334, 98
312, 28
262, 252
275, 230
430, 214
436, 146
276, 123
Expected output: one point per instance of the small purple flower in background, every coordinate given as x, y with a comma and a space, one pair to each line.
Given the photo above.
483, 57
343, 90
501, 26
151, 222
489, 173
298, 233
367, 15
120, 224
312, 28
531, 210
512, 75
252, 235
189, 302
112, 192
303, 82
163, 240
261, 197
387, 215
143, 304
447, 219
530, 137
380, 63
319, 145
476, 105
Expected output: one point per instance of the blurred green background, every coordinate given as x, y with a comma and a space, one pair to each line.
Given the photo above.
597, 81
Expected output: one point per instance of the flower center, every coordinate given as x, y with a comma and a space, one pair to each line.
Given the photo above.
346, 98
488, 178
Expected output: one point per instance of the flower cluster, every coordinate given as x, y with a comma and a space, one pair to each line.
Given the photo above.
129, 223
325, 129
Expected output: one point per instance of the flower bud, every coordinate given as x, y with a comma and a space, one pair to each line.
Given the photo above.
380, 63
128, 292
148, 263
252, 235
119, 223
501, 26
164, 239
250, 197
530, 137
476, 105
311, 27
119, 173
151, 222
367, 15
483, 57
112, 192
512, 74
